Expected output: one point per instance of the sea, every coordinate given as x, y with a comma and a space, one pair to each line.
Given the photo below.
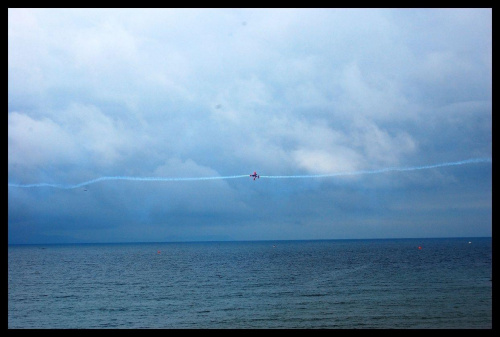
440, 283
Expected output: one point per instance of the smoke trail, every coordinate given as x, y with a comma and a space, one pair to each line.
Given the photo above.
389, 169
160, 179
67, 187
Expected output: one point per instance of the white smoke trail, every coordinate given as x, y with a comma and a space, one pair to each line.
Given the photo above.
160, 179
123, 178
389, 169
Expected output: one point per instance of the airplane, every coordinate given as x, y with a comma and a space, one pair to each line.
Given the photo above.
254, 175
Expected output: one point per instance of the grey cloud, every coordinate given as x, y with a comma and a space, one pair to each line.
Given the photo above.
217, 92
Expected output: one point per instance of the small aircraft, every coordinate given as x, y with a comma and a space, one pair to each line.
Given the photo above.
254, 175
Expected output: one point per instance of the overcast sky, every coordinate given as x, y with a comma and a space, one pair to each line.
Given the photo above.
220, 92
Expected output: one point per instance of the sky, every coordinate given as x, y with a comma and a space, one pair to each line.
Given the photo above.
335, 96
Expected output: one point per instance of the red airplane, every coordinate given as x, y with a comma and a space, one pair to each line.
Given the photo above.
254, 175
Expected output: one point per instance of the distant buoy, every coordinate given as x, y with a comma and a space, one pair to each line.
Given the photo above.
419, 247
158, 252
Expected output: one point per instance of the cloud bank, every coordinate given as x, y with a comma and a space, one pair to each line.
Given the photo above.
222, 92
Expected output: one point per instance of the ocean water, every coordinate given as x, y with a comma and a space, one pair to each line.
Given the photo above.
329, 284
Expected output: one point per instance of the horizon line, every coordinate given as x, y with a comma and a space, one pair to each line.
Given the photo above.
247, 240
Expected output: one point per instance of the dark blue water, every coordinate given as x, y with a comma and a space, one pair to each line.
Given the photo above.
267, 284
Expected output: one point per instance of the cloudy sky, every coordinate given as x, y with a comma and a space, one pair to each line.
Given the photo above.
176, 93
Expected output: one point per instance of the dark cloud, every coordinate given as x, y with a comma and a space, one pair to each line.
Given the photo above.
221, 92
